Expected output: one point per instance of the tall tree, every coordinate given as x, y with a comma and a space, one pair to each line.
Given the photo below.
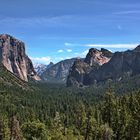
15, 129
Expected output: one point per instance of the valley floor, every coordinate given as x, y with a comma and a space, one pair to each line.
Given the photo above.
54, 112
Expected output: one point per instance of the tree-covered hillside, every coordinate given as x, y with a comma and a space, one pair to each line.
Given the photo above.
54, 112
8, 80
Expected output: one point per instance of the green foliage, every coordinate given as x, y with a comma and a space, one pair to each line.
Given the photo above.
34, 131
54, 112
4, 128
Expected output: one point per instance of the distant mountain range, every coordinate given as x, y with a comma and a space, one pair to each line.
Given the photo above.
99, 66
40, 68
57, 73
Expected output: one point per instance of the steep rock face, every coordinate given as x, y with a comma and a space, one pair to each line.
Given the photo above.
14, 58
122, 64
94, 59
77, 73
98, 57
57, 72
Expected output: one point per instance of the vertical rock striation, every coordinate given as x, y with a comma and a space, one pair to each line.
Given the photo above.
14, 58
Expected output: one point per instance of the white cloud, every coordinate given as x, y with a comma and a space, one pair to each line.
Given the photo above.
57, 59
70, 44
125, 46
67, 44
68, 57
44, 60
127, 12
76, 53
60, 51
69, 50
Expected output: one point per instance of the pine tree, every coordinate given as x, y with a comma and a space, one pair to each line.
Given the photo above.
15, 129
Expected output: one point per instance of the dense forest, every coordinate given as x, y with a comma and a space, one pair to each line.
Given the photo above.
55, 112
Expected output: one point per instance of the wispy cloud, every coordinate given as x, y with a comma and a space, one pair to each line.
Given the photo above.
70, 44
66, 50
125, 46
127, 12
36, 21
44, 60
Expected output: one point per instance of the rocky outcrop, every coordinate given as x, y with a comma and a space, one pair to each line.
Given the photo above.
77, 73
50, 64
105, 66
57, 73
122, 65
94, 59
98, 57
14, 58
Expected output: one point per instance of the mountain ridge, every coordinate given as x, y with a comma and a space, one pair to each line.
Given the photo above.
94, 59
119, 65
57, 73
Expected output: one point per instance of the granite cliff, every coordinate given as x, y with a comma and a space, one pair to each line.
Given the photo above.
122, 65
93, 61
14, 58
57, 73
101, 66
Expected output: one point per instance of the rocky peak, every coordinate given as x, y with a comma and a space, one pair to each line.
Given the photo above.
80, 66
137, 49
50, 64
106, 53
40, 68
77, 73
99, 57
14, 58
122, 65
93, 61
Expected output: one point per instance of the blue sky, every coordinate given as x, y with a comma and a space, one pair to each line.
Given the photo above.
54, 30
